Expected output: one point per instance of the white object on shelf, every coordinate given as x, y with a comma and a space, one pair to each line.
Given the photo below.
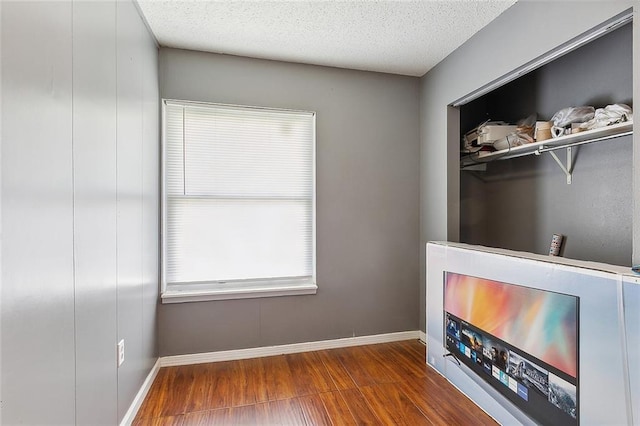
489, 133
510, 141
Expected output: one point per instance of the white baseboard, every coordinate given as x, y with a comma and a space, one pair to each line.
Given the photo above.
131, 413
423, 336
169, 361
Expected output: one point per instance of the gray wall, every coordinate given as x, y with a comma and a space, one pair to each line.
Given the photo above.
523, 32
518, 204
367, 203
79, 211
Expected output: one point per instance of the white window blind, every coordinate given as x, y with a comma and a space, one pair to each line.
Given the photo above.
239, 194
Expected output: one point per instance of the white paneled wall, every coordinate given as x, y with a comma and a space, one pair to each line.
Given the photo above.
79, 201
150, 199
94, 174
38, 353
129, 203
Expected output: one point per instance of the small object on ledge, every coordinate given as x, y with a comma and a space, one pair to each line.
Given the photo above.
492, 131
542, 130
636, 269
577, 128
556, 244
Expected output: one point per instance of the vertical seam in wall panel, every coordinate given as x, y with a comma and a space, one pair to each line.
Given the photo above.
117, 206
141, 257
1, 239
634, 138
142, 186
73, 227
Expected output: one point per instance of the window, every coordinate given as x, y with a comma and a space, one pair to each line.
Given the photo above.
238, 202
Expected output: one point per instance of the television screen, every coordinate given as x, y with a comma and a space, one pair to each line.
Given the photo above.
522, 341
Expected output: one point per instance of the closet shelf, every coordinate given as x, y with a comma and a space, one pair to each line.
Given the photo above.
537, 148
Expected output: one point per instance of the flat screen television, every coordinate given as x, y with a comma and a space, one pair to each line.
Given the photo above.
522, 341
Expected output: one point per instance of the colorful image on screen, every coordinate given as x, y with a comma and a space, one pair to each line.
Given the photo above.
542, 323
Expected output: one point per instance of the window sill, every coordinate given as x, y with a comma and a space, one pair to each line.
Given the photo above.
180, 293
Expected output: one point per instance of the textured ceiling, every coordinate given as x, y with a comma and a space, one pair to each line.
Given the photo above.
399, 37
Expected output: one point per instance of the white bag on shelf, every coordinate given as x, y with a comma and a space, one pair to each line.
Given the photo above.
566, 116
611, 114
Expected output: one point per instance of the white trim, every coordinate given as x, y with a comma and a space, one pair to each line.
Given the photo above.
423, 336
131, 413
238, 289
170, 361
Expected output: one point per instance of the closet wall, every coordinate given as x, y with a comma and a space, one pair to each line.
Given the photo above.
520, 203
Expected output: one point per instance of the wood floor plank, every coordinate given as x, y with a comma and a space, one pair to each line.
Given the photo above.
279, 380
263, 415
369, 367
241, 387
245, 415
219, 416
438, 404
314, 411
406, 364
212, 387
393, 372
282, 412
198, 395
167, 396
309, 374
152, 405
337, 409
160, 421
416, 348
337, 371
361, 368
392, 406
359, 408
207, 417
429, 402
256, 378
199, 418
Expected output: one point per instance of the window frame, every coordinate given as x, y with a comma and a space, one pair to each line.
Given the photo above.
235, 289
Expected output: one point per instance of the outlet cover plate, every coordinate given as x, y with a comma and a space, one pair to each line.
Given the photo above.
120, 352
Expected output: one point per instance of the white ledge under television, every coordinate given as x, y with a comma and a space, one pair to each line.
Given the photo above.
535, 339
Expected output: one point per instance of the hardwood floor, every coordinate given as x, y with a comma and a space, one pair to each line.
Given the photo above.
384, 384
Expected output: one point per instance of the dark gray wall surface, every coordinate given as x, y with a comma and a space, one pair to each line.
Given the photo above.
520, 203
525, 31
79, 191
367, 203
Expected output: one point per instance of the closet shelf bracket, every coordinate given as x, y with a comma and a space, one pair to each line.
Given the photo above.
568, 170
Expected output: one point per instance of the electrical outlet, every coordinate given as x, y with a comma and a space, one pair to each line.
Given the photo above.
120, 352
